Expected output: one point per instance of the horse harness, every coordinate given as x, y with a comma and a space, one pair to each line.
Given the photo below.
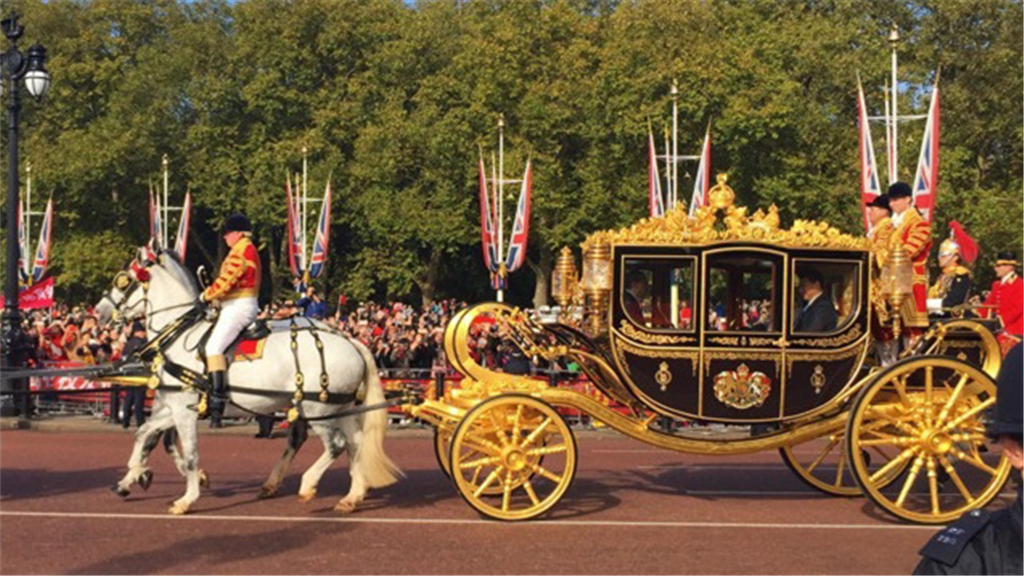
152, 354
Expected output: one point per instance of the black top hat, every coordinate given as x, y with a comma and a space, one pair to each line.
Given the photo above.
1009, 396
900, 190
880, 201
237, 223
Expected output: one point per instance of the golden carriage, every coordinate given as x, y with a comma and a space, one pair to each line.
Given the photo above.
697, 319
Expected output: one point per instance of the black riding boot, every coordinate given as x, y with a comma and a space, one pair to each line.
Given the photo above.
217, 398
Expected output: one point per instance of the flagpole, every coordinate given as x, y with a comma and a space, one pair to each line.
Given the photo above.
888, 135
305, 199
166, 220
29, 255
675, 143
501, 206
894, 40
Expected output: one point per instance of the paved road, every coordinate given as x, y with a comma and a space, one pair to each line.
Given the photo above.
632, 509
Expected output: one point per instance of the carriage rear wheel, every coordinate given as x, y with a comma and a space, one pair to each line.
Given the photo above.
822, 463
925, 414
496, 455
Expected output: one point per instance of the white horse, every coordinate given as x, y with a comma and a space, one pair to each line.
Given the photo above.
167, 291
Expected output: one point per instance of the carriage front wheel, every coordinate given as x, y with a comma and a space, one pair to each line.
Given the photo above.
512, 457
924, 417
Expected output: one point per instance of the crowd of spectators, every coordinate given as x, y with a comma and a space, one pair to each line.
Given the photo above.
406, 340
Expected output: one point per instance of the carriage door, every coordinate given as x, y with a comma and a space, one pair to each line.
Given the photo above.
743, 301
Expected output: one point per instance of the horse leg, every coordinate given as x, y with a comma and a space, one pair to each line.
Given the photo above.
146, 439
351, 430
298, 432
186, 422
172, 449
334, 443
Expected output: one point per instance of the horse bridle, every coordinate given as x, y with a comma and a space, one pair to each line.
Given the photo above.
127, 285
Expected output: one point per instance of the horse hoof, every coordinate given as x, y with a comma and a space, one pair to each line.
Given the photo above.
307, 496
178, 509
204, 480
344, 507
122, 492
146, 479
267, 492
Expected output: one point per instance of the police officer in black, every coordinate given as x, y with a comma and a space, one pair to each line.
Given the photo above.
981, 542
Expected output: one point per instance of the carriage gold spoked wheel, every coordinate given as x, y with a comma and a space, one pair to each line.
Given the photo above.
496, 455
928, 412
823, 463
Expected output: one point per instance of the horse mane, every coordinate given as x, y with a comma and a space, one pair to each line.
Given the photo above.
179, 271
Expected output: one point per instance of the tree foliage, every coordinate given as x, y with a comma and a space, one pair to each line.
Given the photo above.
395, 99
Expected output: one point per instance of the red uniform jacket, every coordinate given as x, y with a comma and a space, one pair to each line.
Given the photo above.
915, 236
1008, 299
239, 274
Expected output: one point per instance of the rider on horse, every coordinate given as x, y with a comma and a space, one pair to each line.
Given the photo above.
237, 289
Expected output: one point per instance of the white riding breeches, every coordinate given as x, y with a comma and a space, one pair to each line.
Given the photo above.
234, 316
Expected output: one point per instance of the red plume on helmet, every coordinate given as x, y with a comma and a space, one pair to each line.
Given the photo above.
968, 247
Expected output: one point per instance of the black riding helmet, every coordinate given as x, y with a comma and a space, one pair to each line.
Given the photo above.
1009, 412
237, 223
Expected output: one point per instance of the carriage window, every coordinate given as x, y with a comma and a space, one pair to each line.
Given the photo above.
825, 297
657, 293
743, 292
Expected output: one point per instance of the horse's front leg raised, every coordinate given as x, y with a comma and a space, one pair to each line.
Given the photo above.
146, 439
297, 434
186, 422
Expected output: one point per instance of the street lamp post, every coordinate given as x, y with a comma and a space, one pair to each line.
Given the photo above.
15, 67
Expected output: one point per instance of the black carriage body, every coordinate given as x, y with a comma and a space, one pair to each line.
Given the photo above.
721, 334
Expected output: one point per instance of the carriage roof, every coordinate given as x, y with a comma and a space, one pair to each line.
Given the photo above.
720, 222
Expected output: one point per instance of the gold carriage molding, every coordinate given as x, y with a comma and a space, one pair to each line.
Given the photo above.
677, 227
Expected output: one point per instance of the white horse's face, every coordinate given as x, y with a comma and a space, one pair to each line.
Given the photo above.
123, 301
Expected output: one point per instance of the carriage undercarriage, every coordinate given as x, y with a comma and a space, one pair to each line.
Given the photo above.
511, 455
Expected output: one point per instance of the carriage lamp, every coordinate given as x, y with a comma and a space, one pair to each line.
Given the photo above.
564, 278
897, 283
597, 286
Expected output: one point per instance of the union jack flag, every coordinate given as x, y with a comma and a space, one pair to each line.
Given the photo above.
43, 250
295, 255
181, 240
323, 233
487, 234
656, 204
870, 187
521, 226
927, 176
702, 181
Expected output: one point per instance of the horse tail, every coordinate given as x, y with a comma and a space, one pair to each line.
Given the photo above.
376, 466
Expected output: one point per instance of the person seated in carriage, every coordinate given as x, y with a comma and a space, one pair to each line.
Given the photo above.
1006, 300
818, 313
237, 290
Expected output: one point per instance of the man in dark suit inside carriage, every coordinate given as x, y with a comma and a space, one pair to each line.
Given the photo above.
818, 313
637, 289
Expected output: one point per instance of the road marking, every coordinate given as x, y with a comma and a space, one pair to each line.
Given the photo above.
459, 522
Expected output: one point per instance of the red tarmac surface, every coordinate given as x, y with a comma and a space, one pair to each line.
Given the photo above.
632, 509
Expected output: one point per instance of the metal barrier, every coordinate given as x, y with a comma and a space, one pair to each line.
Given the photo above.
432, 383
